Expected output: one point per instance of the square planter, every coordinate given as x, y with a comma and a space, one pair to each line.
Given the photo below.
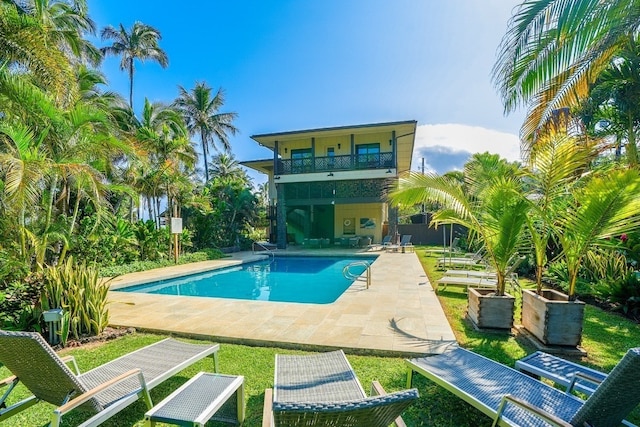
486, 310
552, 318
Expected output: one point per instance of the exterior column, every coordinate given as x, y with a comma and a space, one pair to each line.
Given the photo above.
394, 153
393, 223
313, 154
353, 151
281, 218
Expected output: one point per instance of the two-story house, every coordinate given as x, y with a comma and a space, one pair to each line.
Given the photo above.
331, 183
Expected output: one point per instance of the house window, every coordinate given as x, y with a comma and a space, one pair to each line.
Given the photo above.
301, 160
368, 155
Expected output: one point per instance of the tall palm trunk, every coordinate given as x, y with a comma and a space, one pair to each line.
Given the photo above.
204, 154
632, 149
131, 84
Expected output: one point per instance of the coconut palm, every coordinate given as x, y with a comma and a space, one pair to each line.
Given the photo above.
554, 49
140, 42
613, 100
225, 165
163, 134
66, 23
24, 43
202, 115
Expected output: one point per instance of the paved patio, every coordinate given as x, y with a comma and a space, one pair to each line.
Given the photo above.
399, 314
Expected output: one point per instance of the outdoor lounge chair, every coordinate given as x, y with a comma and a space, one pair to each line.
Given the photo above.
322, 390
106, 389
466, 282
478, 279
512, 398
471, 273
386, 240
405, 244
468, 260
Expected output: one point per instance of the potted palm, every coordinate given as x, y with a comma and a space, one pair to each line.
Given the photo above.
554, 168
490, 205
605, 204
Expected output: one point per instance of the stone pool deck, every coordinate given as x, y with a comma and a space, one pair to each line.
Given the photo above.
398, 315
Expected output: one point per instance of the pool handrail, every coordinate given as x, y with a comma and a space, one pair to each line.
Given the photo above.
269, 251
349, 275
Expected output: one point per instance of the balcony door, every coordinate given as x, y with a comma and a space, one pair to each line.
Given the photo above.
368, 156
301, 160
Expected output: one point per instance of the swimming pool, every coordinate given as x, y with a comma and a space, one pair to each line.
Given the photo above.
311, 280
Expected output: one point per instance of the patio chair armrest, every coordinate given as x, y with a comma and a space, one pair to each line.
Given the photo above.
86, 396
70, 359
582, 376
549, 418
378, 390
8, 380
267, 410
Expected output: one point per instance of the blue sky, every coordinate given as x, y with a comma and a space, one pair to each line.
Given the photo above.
299, 64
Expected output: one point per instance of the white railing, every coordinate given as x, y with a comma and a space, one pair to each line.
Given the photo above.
346, 272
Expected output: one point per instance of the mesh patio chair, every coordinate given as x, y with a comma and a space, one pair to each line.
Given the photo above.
512, 398
323, 390
106, 389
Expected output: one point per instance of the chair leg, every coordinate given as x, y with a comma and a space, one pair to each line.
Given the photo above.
267, 410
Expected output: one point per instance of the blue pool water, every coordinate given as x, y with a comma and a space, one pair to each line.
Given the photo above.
315, 280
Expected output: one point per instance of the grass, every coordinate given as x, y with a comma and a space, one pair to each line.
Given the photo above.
607, 336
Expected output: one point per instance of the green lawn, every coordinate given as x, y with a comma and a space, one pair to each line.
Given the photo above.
606, 339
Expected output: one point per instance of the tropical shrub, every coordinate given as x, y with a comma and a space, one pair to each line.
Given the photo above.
117, 270
79, 291
19, 302
623, 294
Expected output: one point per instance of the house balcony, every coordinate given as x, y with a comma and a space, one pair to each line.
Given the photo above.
334, 163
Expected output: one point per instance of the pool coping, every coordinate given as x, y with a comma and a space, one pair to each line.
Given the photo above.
399, 315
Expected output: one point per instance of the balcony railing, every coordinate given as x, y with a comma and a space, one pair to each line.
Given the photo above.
334, 163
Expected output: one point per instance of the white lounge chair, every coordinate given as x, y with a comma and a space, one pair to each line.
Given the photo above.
466, 282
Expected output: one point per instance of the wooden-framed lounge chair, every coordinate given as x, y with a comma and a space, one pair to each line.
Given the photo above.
512, 398
105, 390
323, 390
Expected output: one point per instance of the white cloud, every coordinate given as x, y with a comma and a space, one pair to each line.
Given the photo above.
446, 147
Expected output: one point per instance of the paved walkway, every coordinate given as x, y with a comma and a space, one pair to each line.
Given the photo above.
399, 314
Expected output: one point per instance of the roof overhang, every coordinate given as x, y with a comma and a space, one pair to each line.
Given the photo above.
265, 166
405, 137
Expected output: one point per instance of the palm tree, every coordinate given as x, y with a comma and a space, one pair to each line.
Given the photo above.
496, 213
607, 206
202, 115
613, 100
225, 165
140, 42
555, 168
554, 49
25, 43
164, 136
66, 23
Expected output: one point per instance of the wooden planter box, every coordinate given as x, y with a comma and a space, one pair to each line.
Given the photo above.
489, 311
552, 318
